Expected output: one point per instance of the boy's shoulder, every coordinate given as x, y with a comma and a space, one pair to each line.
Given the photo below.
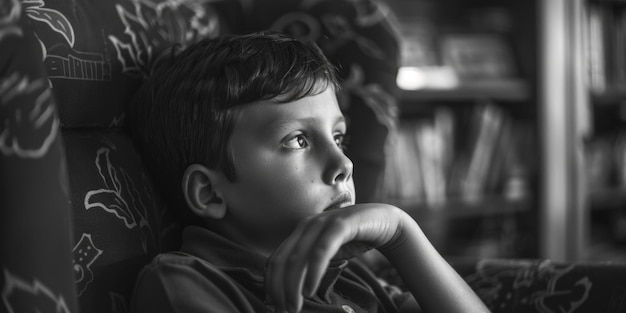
181, 266
174, 258
171, 281
176, 265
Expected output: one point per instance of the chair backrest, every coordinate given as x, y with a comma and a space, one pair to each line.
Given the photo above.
79, 214
95, 54
35, 219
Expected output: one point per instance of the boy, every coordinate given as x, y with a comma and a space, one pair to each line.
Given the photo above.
245, 134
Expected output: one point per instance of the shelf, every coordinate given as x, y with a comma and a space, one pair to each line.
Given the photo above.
610, 97
607, 198
439, 103
609, 2
505, 90
488, 206
605, 201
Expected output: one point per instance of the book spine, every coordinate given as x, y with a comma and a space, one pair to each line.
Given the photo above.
595, 48
489, 121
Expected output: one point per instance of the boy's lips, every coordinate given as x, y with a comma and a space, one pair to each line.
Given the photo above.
343, 200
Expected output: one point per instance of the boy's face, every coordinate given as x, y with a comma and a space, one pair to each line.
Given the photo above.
290, 165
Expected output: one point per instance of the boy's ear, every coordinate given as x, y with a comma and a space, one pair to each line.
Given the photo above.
200, 195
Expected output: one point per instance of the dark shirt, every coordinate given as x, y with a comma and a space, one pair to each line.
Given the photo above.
213, 274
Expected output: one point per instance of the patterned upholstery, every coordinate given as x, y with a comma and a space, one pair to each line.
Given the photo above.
35, 216
95, 53
546, 286
119, 221
537, 285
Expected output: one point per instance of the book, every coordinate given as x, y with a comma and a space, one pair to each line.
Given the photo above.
594, 21
430, 147
403, 177
487, 124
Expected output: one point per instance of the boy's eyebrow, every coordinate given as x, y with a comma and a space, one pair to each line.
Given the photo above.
283, 124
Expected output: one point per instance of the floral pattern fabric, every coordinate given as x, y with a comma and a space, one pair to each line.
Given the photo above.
120, 220
74, 192
35, 215
97, 52
544, 286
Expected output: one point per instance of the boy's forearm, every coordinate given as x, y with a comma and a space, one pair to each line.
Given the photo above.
436, 286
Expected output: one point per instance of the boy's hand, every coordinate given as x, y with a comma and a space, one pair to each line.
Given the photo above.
297, 266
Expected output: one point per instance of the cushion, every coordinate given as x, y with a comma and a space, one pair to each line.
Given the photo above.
507, 285
120, 223
96, 52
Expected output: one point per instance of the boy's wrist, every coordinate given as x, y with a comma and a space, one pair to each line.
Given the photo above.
400, 237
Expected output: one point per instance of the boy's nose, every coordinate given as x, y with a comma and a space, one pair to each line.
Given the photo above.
339, 168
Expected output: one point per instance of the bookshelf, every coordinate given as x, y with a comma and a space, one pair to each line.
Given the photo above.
565, 79
505, 90
602, 38
605, 46
459, 162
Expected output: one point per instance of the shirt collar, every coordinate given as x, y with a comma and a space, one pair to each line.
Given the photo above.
222, 253
237, 261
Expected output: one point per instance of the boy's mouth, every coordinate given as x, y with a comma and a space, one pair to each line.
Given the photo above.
343, 200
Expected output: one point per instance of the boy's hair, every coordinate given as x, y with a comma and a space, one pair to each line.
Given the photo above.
184, 113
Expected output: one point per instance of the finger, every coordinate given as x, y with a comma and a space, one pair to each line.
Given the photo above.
294, 298
281, 278
326, 246
274, 278
297, 265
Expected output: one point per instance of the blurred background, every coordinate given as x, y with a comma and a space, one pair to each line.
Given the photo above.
510, 141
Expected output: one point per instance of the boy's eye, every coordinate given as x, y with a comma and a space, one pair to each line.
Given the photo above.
297, 142
341, 140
